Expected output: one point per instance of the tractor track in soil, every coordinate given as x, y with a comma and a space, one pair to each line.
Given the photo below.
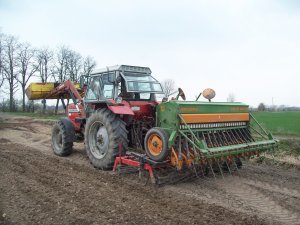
37, 187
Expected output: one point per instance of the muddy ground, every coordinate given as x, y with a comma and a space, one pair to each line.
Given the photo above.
37, 187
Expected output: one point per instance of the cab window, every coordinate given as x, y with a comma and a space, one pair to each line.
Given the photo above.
107, 86
93, 89
137, 82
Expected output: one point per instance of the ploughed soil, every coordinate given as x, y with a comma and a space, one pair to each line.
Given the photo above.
37, 187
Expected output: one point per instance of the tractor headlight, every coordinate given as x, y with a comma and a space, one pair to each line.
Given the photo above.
118, 100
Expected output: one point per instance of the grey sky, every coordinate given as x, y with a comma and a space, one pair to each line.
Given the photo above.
249, 48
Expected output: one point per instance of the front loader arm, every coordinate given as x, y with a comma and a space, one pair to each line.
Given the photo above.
69, 88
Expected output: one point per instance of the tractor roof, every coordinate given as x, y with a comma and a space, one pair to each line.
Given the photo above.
123, 68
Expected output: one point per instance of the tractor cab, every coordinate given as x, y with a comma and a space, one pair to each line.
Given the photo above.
129, 83
131, 86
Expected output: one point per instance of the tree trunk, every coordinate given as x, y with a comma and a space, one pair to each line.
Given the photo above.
11, 99
44, 106
23, 100
32, 106
56, 107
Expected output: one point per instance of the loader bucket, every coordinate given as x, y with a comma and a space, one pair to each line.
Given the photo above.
37, 91
201, 132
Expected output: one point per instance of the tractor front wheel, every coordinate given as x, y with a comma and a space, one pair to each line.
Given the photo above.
104, 131
62, 137
156, 144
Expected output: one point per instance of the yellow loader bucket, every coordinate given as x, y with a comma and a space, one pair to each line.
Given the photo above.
37, 91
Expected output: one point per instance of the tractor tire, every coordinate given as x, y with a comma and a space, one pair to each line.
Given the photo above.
62, 137
104, 131
156, 144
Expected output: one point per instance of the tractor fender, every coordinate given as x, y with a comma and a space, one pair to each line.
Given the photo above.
121, 109
70, 130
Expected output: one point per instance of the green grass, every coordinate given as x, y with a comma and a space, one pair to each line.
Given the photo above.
282, 123
37, 115
289, 147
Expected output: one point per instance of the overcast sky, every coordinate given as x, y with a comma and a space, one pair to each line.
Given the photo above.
249, 48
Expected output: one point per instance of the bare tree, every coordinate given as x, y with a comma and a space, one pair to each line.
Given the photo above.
74, 66
10, 66
231, 97
88, 65
62, 58
1, 59
26, 58
261, 107
70, 65
44, 64
168, 86
61, 67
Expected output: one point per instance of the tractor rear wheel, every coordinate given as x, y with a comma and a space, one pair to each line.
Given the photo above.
104, 131
156, 144
62, 137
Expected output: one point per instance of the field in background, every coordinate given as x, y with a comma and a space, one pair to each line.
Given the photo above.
46, 116
282, 123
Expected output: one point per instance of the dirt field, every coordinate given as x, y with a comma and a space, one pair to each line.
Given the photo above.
37, 187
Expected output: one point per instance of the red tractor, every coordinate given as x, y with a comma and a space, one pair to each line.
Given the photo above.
118, 107
115, 109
